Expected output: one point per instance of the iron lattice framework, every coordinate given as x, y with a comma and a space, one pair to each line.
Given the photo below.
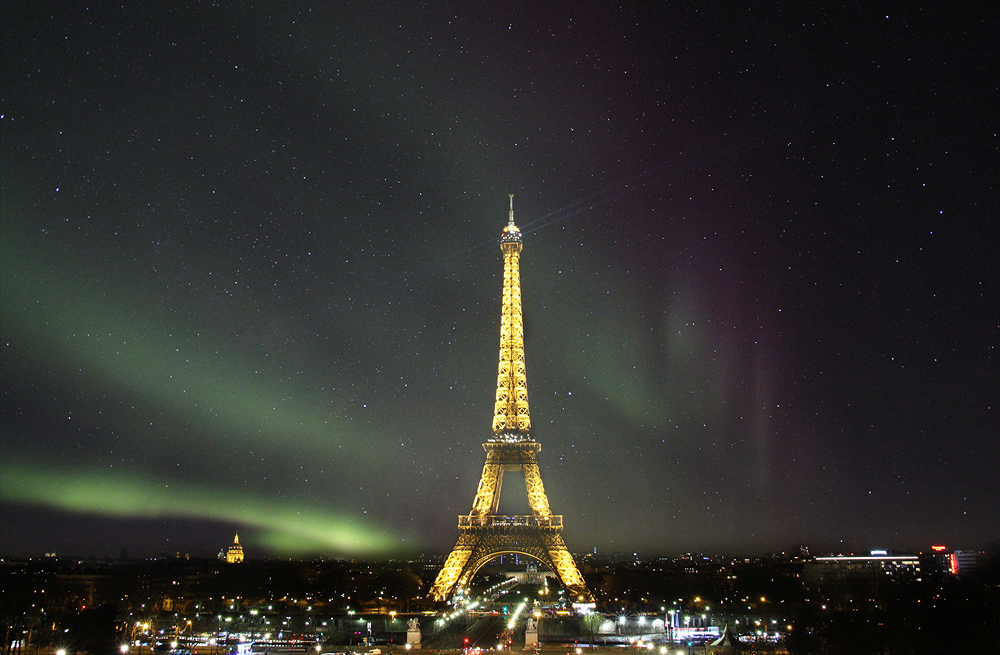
510, 415
484, 534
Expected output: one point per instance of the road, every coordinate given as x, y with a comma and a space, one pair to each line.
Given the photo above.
484, 633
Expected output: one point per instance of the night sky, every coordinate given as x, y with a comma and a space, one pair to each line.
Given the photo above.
251, 276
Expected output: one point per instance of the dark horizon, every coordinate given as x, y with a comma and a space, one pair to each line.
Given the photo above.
251, 280
253, 552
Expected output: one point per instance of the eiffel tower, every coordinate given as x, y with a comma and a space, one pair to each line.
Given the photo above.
483, 533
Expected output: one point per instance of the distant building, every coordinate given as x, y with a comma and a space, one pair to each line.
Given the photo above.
861, 582
234, 555
963, 562
879, 564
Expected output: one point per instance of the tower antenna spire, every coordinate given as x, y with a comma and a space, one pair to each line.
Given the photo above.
511, 208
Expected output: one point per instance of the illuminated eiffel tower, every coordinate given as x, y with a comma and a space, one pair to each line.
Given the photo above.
484, 534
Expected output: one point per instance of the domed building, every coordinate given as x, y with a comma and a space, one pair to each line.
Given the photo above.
234, 555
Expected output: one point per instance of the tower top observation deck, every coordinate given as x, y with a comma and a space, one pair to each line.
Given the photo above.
511, 233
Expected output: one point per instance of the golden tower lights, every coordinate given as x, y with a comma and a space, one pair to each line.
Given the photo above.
484, 534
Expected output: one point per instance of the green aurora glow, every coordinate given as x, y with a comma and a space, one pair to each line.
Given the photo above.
283, 525
189, 381
172, 365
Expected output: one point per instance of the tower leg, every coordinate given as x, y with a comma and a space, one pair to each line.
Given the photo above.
488, 492
453, 568
536, 490
565, 568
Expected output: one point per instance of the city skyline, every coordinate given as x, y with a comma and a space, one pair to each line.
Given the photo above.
251, 276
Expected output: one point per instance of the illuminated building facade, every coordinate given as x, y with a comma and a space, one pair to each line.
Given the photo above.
879, 564
963, 562
484, 534
234, 554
